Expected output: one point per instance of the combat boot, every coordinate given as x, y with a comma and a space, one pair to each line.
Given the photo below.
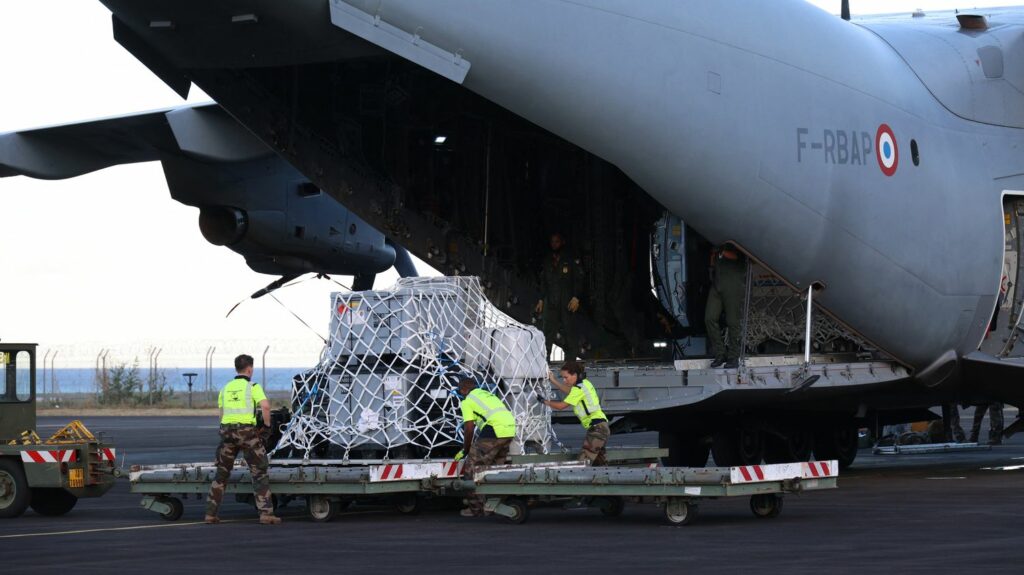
269, 520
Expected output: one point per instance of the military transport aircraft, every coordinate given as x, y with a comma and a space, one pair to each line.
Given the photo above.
880, 161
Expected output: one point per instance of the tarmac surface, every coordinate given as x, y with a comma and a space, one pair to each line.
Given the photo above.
891, 514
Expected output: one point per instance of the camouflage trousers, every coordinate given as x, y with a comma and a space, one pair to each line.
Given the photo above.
485, 452
995, 424
594, 442
244, 438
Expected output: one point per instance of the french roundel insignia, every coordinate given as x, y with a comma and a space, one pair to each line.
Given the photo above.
886, 150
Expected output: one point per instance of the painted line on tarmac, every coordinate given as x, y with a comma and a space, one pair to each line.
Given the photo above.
157, 526
1005, 468
107, 529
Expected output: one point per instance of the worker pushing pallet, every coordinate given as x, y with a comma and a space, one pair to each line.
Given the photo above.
415, 370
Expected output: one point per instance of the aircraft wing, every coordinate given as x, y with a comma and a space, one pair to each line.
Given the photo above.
999, 377
204, 131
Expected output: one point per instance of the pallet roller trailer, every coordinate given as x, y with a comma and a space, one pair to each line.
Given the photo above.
510, 490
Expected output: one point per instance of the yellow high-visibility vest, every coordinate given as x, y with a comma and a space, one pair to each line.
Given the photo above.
238, 400
585, 403
485, 406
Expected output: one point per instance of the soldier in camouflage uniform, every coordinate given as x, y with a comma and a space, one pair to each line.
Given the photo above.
995, 424
561, 286
497, 429
238, 433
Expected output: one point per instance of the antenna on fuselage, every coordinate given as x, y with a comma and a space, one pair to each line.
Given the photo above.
845, 10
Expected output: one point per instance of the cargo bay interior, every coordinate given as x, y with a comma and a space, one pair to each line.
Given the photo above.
475, 190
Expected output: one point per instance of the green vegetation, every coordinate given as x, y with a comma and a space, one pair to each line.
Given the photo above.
123, 386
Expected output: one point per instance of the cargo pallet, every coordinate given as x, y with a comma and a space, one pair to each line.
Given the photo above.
510, 490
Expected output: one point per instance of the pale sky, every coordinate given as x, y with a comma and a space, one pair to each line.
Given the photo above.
108, 259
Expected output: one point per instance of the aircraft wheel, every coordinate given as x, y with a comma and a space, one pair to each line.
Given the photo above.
742, 446
15, 495
52, 501
794, 445
766, 505
679, 511
837, 443
685, 449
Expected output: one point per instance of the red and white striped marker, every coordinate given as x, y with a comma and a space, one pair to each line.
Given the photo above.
49, 456
751, 473
63, 455
414, 471
783, 471
817, 469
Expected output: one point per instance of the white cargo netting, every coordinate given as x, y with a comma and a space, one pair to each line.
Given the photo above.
386, 377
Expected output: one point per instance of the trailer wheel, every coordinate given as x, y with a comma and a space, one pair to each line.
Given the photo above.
612, 506
15, 495
52, 501
521, 511
679, 511
766, 505
408, 504
177, 508
323, 509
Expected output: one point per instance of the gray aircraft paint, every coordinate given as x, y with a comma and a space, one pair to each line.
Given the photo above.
912, 261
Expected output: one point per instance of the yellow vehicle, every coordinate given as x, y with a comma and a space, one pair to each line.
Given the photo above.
48, 475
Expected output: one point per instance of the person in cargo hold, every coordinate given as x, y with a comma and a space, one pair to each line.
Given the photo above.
561, 285
238, 432
582, 397
497, 428
728, 287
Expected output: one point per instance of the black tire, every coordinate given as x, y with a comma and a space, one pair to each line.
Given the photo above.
685, 449
793, 446
679, 511
408, 504
612, 506
520, 508
766, 505
323, 509
741, 446
837, 443
52, 501
15, 495
177, 508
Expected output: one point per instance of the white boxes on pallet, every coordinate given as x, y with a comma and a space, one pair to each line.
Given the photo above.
387, 374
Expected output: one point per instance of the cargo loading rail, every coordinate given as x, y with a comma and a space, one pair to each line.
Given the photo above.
626, 388
510, 490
